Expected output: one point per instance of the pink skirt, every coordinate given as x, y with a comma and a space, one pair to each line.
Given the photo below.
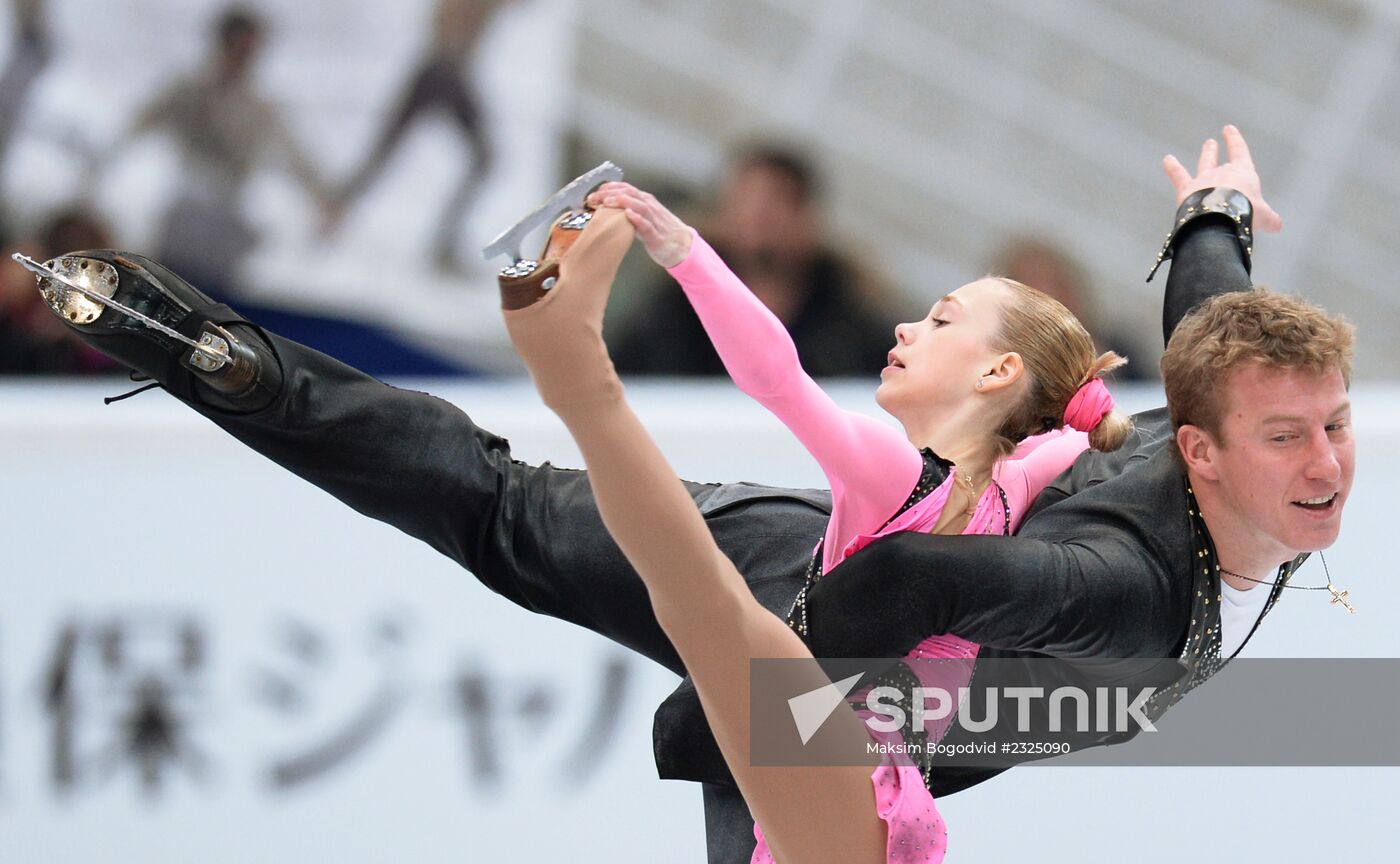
917, 834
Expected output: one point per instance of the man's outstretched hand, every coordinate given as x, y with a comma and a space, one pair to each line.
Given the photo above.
1237, 173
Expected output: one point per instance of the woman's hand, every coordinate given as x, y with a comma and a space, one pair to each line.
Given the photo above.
1238, 173
665, 237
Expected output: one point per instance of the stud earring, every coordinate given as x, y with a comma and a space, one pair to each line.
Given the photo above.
979, 383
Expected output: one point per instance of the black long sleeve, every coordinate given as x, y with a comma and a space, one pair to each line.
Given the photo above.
1208, 261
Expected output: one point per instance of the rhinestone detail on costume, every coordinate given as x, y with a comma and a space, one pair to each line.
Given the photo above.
934, 474
1200, 653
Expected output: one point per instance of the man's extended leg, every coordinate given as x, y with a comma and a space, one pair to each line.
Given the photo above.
531, 534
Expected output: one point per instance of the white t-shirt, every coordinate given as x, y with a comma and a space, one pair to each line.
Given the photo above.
1238, 612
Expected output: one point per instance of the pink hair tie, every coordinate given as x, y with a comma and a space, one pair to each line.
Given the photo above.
1089, 405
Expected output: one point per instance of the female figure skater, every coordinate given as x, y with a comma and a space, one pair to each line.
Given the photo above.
993, 363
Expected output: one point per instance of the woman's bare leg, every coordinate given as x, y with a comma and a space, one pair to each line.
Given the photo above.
700, 599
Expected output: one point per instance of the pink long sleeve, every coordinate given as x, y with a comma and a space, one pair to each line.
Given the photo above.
1032, 468
870, 466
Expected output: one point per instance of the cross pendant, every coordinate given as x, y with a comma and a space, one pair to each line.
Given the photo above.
1340, 597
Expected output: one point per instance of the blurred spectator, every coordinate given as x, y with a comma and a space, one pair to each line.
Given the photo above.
224, 128
442, 81
28, 58
766, 225
33, 340
1048, 268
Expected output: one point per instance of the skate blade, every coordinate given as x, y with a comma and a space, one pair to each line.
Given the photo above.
570, 197
78, 289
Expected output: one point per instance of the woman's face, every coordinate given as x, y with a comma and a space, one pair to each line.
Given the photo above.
937, 362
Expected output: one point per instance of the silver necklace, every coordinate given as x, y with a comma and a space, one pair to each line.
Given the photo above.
1338, 597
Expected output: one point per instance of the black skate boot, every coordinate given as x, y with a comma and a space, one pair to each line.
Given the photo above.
141, 314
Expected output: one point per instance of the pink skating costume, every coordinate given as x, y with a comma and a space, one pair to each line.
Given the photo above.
873, 471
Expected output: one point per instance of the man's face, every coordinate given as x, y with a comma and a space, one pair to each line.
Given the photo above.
1286, 458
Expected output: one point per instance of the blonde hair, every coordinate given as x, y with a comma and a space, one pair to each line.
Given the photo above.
1241, 327
1058, 358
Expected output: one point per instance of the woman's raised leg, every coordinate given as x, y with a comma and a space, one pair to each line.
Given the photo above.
700, 599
